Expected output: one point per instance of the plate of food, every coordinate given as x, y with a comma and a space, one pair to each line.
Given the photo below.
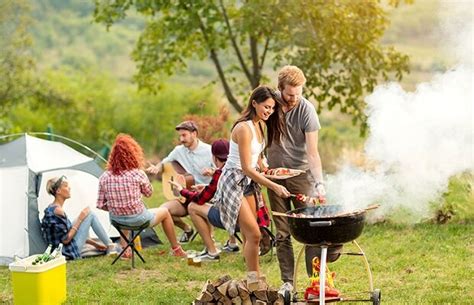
281, 173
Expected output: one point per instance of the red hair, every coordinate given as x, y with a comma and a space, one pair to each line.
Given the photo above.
126, 154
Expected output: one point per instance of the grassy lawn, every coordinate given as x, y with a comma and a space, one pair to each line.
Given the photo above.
425, 263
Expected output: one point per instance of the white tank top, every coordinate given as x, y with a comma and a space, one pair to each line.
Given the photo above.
233, 159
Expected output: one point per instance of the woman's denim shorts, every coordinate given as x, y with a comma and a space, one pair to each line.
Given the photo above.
134, 220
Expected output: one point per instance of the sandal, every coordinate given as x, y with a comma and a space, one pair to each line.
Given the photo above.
178, 251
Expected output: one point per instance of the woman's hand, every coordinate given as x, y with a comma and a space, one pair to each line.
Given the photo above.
176, 185
281, 191
154, 169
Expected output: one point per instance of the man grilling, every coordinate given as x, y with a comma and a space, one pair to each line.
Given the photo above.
297, 150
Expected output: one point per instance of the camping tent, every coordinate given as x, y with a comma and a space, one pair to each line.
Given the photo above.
26, 164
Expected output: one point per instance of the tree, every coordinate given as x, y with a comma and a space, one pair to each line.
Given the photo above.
336, 43
16, 61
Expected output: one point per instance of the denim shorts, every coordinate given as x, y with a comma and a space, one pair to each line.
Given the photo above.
134, 220
214, 217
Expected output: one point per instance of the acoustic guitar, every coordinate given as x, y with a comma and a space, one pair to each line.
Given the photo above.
173, 171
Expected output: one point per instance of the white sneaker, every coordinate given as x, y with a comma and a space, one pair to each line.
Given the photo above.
287, 286
207, 257
113, 249
204, 251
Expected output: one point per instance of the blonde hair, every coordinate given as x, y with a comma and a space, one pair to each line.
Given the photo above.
292, 76
54, 183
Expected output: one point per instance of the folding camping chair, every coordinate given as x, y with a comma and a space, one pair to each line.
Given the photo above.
134, 233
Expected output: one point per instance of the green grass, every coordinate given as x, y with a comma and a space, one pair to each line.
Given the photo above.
420, 264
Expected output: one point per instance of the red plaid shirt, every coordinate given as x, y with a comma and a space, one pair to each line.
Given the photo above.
206, 194
122, 194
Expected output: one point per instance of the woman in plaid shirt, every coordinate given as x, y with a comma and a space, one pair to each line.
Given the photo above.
56, 227
121, 189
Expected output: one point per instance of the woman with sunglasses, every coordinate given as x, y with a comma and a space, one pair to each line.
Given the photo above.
57, 228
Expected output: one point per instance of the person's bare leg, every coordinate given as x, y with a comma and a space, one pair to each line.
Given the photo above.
163, 216
251, 201
250, 231
123, 244
198, 214
177, 211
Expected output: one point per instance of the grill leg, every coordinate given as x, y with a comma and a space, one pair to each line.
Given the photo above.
322, 275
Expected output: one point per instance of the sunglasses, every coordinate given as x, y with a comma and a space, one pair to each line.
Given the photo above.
57, 185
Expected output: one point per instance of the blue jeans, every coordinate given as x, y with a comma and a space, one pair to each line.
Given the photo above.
82, 233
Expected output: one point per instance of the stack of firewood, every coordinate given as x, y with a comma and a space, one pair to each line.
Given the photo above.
227, 291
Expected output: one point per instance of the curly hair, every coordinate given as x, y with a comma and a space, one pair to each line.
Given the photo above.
126, 154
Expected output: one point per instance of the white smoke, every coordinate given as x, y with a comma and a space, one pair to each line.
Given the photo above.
418, 140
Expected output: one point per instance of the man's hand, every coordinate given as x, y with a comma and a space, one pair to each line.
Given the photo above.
176, 185
208, 172
198, 187
320, 192
154, 169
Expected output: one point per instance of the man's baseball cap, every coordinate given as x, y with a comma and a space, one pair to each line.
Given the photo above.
220, 149
187, 125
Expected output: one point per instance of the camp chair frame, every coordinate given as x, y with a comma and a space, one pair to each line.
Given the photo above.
134, 233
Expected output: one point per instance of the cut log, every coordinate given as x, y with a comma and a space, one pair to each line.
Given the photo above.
209, 287
221, 280
205, 297
272, 295
232, 290
253, 299
217, 295
279, 301
261, 292
252, 281
223, 288
237, 300
247, 301
261, 295
225, 301
243, 291
260, 302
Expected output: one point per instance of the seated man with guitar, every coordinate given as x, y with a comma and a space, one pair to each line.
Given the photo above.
191, 163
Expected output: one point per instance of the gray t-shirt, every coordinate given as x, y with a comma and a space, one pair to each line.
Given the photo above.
291, 152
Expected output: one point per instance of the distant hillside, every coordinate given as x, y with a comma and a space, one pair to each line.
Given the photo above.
66, 35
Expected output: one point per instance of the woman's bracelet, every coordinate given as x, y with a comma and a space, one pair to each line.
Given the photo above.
74, 228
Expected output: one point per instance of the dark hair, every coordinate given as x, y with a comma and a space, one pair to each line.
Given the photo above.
275, 123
